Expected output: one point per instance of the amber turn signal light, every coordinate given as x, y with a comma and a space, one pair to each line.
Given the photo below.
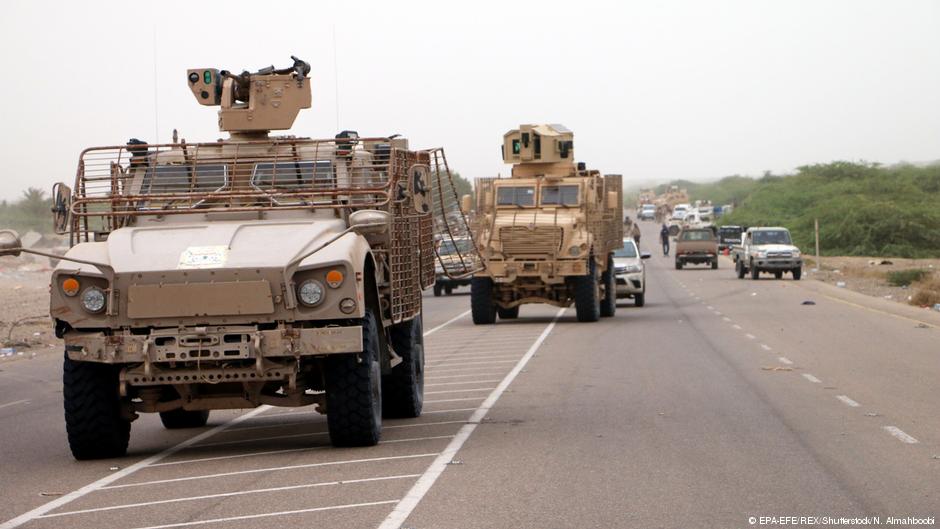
334, 278
70, 287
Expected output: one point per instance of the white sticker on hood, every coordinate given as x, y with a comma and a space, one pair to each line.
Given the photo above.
203, 257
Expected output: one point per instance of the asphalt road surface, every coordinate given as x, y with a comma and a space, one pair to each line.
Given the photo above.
721, 403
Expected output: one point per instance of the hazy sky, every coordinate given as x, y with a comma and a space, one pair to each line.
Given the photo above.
654, 90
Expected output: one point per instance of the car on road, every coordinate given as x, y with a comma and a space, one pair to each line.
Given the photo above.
768, 250
647, 212
630, 274
449, 254
696, 246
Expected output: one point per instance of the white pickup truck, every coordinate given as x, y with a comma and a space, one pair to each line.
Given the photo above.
767, 250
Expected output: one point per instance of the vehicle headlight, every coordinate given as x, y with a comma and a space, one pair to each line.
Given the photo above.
761, 254
620, 269
574, 251
632, 269
796, 253
310, 293
93, 299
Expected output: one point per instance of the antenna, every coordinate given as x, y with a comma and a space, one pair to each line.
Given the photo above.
156, 122
335, 77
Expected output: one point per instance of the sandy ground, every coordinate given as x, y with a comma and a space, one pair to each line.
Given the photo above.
25, 327
868, 275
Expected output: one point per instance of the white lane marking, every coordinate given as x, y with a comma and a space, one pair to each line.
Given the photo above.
446, 363
847, 401
22, 401
461, 376
446, 323
413, 439
765, 347
457, 390
811, 378
785, 360
900, 435
738, 327
269, 514
469, 356
269, 469
126, 471
445, 369
255, 439
751, 336
400, 513
461, 383
446, 411
452, 400
717, 313
230, 494
726, 318
416, 424
285, 414
269, 452
710, 307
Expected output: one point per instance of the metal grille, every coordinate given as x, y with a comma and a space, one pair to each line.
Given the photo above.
450, 224
777, 255
117, 183
406, 267
521, 240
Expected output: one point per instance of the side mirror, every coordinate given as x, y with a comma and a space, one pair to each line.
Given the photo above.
61, 208
10, 243
645, 255
419, 178
612, 200
369, 222
465, 204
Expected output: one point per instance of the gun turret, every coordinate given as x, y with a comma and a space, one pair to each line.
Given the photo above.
539, 149
266, 100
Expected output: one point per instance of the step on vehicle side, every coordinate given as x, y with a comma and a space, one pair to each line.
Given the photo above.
548, 233
248, 271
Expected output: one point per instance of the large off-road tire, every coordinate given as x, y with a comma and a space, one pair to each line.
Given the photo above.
93, 421
678, 264
715, 264
481, 301
354, 392
508, 314
448, 290
587, 302
403, 386
180, 418
639, 299
609, 280
778, 274
755, 273
437, 290
739, 268
797, 273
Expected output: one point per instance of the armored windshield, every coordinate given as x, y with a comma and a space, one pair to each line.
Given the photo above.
183, 178
522, 196
566, 195
293, 175
771, 237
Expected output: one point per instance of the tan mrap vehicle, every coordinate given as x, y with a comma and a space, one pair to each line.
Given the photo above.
547, 235
248, 271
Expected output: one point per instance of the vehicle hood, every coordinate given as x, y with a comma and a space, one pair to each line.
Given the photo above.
627, 261
247, 244
775, 247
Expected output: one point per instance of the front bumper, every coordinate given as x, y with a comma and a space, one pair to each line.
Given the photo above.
212, 344
696, 257
444, 280
779, 263
550, 272
629, 284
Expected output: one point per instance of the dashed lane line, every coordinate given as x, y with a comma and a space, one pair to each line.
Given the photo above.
785, 360
847, 401
458, 390
751, 336
15, 402
461, 383
406, 506
737, 327
811, 378
446, 323
899, 434
269, 514
765, 347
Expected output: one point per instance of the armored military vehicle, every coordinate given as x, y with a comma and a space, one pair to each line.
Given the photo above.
548, 233
255, 270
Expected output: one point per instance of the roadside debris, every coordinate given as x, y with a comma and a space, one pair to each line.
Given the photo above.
808, 302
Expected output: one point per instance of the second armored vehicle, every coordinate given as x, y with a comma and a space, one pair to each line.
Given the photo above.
548, 233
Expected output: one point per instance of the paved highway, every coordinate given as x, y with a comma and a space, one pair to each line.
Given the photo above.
720, 400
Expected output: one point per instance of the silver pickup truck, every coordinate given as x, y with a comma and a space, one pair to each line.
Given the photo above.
768, 250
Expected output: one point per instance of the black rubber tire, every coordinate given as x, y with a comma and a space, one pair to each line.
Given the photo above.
93, 420
508, 314
587, 302
437, 290
778, 274
354, 392
180, 418
609, 280
639, 299
678, 264
448, 290
755, 273
481, 301
715, 264
739, 268
797, 274
403, 386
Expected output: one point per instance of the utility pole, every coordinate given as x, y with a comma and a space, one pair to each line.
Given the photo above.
818, 261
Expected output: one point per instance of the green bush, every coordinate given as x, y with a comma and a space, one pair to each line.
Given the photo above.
903, 278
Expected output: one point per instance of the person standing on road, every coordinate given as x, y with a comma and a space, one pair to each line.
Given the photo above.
635, 233
664, 236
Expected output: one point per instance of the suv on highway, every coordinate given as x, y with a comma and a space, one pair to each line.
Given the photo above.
447, 271
647, 212
768, 250
729, 237
697, 246
630, 272
248, 271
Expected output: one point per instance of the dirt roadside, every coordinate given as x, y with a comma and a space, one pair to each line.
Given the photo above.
869, 275
25, 326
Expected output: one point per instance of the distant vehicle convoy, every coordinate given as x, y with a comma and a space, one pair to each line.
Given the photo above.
647, 212
696, 246
768, 250
630, 272
449, 253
